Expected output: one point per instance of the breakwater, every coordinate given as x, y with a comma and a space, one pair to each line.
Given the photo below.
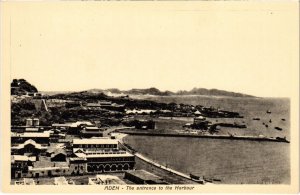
231, 137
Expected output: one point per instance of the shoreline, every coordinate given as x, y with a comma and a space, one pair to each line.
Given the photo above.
165, 172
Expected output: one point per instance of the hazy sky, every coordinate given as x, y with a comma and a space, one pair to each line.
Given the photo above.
77, 46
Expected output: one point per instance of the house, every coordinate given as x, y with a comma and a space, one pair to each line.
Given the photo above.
197, 113
76, 127
91, 131
48, 170
38, 137
29, 147
78, 165
19, 165
59, 156
102, 155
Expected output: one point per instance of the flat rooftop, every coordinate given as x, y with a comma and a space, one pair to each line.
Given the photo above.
95, 141
106, 180
22, 158
31, 134
103, 155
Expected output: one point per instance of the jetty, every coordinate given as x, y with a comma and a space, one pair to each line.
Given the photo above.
208, 136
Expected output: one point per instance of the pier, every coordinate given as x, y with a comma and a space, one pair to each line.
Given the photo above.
230, 137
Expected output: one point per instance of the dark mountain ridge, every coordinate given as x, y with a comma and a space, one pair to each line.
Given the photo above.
155, 91
21, 86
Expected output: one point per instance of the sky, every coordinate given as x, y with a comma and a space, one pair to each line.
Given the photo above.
236, 47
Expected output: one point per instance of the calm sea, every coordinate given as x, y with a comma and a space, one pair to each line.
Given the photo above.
232, 161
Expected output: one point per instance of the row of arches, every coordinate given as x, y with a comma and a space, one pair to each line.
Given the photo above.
107, 167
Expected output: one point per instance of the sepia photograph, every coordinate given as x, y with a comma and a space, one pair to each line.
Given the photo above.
129, 97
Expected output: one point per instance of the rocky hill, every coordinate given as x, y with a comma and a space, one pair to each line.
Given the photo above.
22, 87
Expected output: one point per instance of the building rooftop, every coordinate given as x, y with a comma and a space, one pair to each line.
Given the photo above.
22, 158
91, 128
63, 181
76, 124
29, 142
32, 129
102, 140
103, 155
53, 150
93, 105
59, 151
77, 159
31, 134
61, 124
30, 168
134, 111
106, 180
25, 181
46, 165
104, 102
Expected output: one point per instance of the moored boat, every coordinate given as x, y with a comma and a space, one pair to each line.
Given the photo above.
197, 178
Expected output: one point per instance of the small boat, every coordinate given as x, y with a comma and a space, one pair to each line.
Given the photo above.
197, 178
282, 139
278, 128
208, 180
269, 112
211, 180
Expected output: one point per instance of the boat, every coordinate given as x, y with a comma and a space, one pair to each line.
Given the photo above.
282, 139
269, 112
197, 178
216, 179
211, 179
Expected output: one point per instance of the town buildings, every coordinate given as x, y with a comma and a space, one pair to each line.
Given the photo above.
102, 155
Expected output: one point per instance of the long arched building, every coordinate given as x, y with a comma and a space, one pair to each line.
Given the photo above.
99, 155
